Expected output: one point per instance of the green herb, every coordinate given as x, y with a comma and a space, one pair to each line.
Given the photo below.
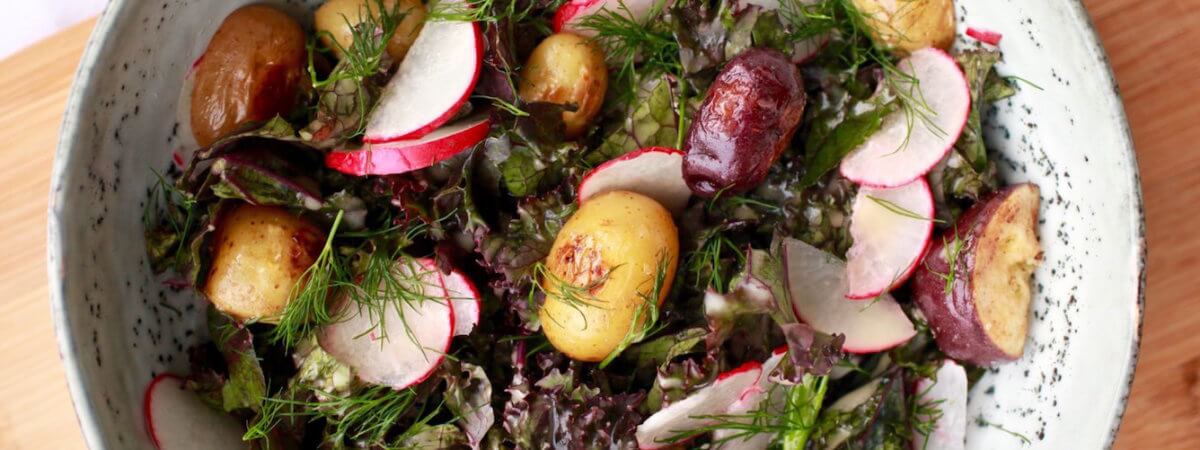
803, 409
924, 414
169, 233
640, 50
983, 422
565, 291
368, 46
900, 210
952, 249
366, 415
830, 147
308, 308
645, 318
707, 265
486, 11
388, 279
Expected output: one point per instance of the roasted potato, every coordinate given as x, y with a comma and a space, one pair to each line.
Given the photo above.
974, 284
335, 20
258, 254
569, 70
746, 121
253, 69
908, 25
601, 269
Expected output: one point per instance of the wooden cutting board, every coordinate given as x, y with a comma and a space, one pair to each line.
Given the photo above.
1152, 47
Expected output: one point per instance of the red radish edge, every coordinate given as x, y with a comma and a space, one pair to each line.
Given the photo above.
449, 114
568, 11
567, 14
427, 265
146, 401
985, 36
409, 155
673, 199
462, 292
219, 429
865, 165
653, 437
855, 288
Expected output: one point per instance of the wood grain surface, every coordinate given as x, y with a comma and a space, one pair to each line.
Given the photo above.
1152, 45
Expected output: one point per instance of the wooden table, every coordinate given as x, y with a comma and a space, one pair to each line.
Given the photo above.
1152, 47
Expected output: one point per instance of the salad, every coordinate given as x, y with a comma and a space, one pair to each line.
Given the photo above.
584, 224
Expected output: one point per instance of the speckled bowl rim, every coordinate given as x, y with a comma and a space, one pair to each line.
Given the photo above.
82, 88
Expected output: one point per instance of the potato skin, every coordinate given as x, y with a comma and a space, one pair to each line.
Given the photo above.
252, 70
746, 121
623, 235
337, 17
258, 254
567, 69
909, 25
958, 318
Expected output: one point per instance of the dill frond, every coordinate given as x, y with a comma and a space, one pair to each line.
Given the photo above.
367, 415
900, 210
706, 264
389, 279
308, 308
645, 317
626, 41
486, 11
560, 290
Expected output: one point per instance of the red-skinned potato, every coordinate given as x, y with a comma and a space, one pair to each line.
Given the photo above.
909, 25
336, 17
746, 121
258, 254
252, 70
974, 284
568, 70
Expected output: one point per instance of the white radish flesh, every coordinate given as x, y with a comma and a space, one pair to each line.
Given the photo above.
752, 400
655, 172
891, 230
466, 301
177, 419
948, 395
816, 286
918, 135
432, 83
407, 155
570, 16
695, 411
412, 339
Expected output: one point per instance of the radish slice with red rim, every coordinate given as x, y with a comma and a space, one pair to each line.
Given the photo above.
816, 286
409, 341
908, 145
697, 410
752, 400
434, 80
569, 17
177, 419
891, 230
985, 36
947, 393
412, 154
466, 299
656, 172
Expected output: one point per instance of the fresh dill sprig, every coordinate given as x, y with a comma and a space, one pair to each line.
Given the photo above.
645, 317
180, 213
368, 47
640, 50
388, 280
895, 208
504, 105
983, 422
791, 424
308, 308
706, 263
952, 248
365, 415
555, 288
924, 414
485, 11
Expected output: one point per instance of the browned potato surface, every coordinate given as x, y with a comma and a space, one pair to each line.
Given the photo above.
259, 254
252, 70
982, 316
337, 17
612, 248
569, 70
908, 25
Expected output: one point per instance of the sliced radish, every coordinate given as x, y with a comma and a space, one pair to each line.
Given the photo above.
847, 403
656, 172
177, 419
891, 230
816, 286
432, 83
412, 154
948, 394
696, 410
466, 301
985, 36
766, 390
418, 330
907, 147
570, 15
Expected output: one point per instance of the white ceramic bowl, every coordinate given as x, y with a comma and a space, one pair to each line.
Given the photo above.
118, 325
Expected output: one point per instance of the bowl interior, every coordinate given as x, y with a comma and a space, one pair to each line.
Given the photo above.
119, 325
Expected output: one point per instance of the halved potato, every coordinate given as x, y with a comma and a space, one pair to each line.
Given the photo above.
909, 25
974, 285
602, 268
259, 254
335, 19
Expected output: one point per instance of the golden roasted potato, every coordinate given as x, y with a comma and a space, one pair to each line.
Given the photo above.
908, 25
258, 254
567, 69
338, 17
601, 269
253, 69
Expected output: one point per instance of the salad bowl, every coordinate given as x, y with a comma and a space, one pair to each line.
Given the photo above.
119, 325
